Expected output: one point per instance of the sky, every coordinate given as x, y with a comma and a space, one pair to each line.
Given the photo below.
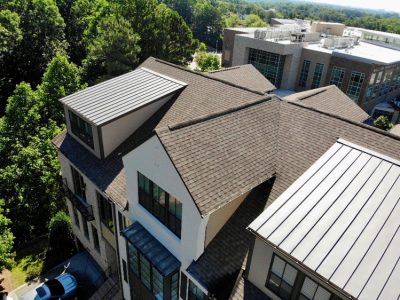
389, 5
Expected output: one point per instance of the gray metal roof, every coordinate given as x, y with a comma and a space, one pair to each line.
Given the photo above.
113, 98
341, 220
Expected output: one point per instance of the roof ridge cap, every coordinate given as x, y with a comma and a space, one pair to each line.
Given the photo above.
314, 93
214, 115
224, 69
362, 125
208, 76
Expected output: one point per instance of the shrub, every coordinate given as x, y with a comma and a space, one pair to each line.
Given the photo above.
60, 234
383, 122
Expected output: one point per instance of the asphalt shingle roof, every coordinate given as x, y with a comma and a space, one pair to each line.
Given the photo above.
332, 100
246, 76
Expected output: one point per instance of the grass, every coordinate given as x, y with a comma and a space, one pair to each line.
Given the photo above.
29, 262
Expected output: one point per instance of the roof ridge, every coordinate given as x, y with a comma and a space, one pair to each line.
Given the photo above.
224, 69
362, 125
314, 93
207, 76
214, 115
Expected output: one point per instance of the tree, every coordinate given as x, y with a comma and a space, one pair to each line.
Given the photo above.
60, 79
232, 20
114, 51
60, 234
383, 122
6, 241
10, 33
43, 36
254, 21
206, 61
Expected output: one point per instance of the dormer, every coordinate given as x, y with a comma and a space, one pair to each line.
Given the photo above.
101, 117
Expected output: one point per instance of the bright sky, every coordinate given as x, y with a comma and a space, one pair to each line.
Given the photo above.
389, 5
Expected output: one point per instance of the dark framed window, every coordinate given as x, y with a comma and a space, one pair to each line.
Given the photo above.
125, 270
304, 73
151, 278
317, 75
310, 290
269, 64
106, 212
76, 217
85, 228
355, 84
337, 76
81, 129
95, 238
195, 293
166, 208
281, 278
123, 222
79, 184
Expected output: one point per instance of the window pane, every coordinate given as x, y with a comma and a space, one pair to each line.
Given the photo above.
274, 283
278, 266
158, 284
290, 274
309, 287
145, 271
322, 294
285, 290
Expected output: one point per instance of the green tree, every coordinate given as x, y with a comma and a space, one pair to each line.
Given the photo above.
10, 33
60, 234
383, 122
113, 52
254, 21
232, 20
6, 241
43, 36
206, 61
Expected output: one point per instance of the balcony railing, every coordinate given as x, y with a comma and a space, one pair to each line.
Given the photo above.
85, 208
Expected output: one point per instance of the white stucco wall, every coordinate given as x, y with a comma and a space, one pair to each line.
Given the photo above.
151, 160
115, 132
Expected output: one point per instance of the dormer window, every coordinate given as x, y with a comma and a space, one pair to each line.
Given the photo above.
81, 129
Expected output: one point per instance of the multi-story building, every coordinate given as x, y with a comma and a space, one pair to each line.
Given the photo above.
167, 167
298, 56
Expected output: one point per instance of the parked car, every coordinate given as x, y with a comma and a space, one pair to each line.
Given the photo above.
62, 287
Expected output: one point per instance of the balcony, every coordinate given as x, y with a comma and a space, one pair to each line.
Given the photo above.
85, 209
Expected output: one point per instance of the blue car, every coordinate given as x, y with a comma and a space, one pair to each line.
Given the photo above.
61, 287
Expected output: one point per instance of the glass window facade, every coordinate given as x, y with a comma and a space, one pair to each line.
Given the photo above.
337, 76
105, 211
81, 129
316, 81
355, 84
166, 208
383, 81
269, 64
281, 278
304, 73
195, 293
85, 228
150, 277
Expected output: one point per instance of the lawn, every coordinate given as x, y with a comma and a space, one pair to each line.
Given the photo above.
29, 262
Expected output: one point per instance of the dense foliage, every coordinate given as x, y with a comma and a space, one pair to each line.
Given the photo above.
206, 61
6, 241
383, 122
61, 239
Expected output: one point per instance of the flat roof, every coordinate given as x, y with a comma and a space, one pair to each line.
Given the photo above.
365, 52
340, 219
113, 98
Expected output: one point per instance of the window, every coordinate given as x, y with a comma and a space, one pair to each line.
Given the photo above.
304, 73
313, 291
151, 278
317, 75
356, 81
166, 208
269, 64
337, 76
105, 210
124, 270
79, 184
123, 222
81, 129
85, 228
281, 278
76, 217
195, 293
95, 238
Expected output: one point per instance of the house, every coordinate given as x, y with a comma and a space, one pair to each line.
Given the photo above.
166, 168
300, 56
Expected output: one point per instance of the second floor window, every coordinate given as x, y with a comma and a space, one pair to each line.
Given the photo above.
166, 208
337, 76
281, 278
79, 184
304, 73
105, 210
354, 88
317, 76
81, 128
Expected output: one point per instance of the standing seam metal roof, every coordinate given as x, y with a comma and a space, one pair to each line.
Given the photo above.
113, 98
340, 219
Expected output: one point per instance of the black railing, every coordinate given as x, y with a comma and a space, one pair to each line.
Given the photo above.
85, 208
